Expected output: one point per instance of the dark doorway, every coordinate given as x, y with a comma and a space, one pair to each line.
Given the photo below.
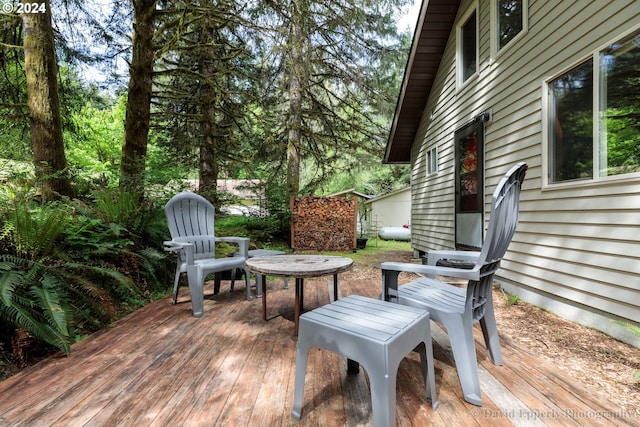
469, 161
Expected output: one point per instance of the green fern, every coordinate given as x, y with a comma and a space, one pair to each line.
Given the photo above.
34, 233
117, 206
9, 281
62, 274
150, 259
49, 299
33, 298
88, 283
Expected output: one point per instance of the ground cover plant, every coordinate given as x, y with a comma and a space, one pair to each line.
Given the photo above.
70, 267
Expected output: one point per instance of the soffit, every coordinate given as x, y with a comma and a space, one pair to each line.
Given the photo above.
432, 33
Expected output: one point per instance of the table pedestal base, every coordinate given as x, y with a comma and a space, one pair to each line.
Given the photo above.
299, 300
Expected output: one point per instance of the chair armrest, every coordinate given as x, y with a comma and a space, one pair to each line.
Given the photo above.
391, 271
242, 242
435, 256
431, 270
174, 246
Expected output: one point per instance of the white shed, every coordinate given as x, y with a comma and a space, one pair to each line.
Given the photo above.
390, 210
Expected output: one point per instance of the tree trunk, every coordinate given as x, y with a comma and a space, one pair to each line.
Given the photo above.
208, 170
296, 85
41, 71
138, 112
208, 173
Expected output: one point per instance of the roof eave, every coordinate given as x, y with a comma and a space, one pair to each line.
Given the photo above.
433, 28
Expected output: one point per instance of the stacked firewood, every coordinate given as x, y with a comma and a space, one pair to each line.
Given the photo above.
323, 223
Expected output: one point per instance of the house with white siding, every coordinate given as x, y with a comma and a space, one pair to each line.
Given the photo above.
556, 84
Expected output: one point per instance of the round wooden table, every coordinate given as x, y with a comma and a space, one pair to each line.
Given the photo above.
300, 267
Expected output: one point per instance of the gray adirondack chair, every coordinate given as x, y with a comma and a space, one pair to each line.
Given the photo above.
190, 218
457, 308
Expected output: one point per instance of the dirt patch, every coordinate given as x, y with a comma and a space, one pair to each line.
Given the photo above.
594, 359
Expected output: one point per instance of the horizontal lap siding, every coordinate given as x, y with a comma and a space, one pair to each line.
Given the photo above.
432, 201
577, 242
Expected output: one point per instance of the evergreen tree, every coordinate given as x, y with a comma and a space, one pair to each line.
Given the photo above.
41, 71
328, 58
14, 115
202, 87
138, 113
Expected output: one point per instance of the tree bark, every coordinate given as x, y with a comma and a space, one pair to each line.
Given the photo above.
208, 170
44, 105
296, 86
138, 111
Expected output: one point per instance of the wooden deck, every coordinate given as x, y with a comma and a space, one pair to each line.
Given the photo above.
161, 366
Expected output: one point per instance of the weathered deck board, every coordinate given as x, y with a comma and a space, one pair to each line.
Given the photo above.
161, 366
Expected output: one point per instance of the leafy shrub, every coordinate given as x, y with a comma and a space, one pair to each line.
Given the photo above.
123, 232
53, 301
263, 232
40, 290
34, 298
34, 233
67, 269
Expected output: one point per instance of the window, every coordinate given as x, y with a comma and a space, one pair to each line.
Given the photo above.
432, 161
594, 115
511, 20
467, 47
571, 108
619, 133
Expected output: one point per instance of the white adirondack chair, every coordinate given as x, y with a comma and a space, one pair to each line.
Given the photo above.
191, 223
457, 308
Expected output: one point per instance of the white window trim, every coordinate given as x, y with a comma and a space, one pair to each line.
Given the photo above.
547, 126
432, 153
461, 22
596, 179
495, 52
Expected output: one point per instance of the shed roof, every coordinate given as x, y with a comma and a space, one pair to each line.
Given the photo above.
429, 40
389, 194
350, 192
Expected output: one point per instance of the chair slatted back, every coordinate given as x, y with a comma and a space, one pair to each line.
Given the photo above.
505, 205
190, 218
